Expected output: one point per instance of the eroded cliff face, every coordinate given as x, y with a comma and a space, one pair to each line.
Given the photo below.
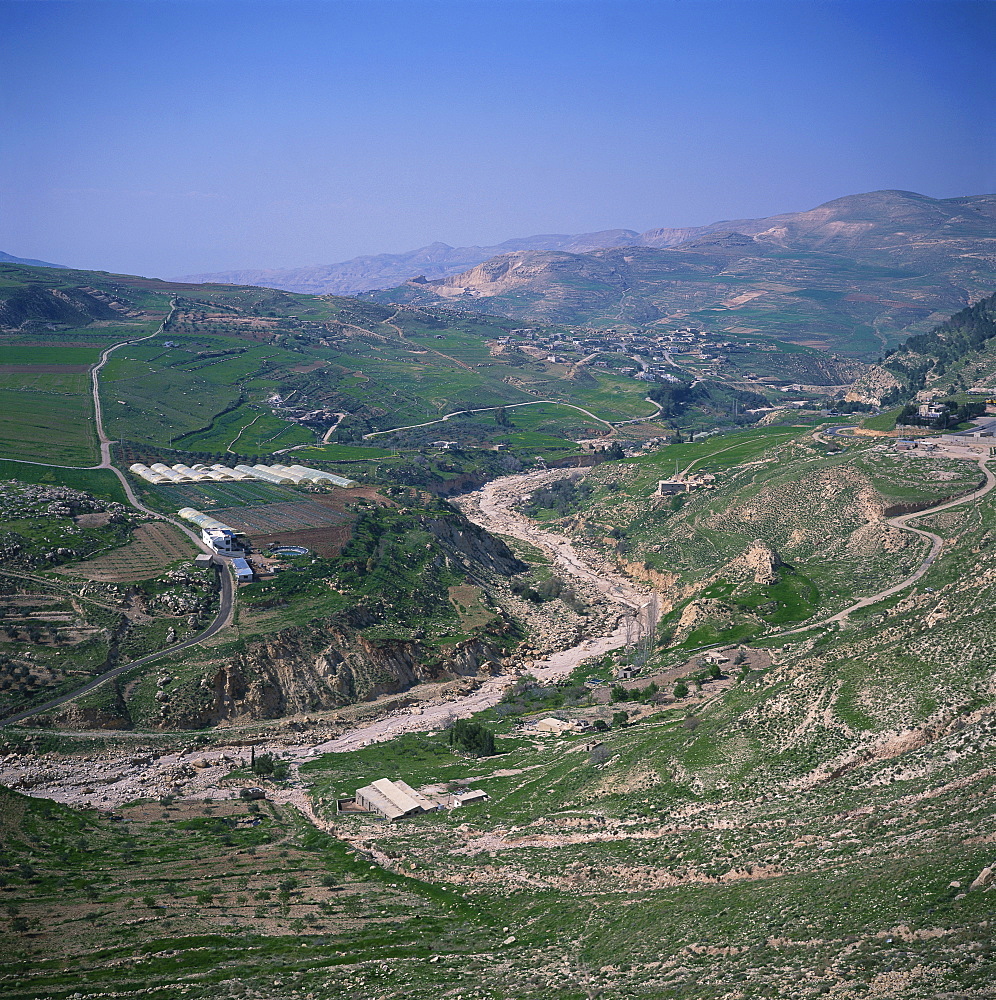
296, 671
477, 551
329, 661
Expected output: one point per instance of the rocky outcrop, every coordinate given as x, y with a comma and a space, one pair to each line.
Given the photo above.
323, 667
760, 561
474, 548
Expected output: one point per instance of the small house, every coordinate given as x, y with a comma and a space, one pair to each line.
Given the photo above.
243, 571
468, 796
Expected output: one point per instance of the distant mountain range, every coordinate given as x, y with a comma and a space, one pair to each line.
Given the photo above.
385, 270
856, 274
838, 226
6, 258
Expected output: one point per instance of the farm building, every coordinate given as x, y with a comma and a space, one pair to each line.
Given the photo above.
668, 486
281, 475
269, 475
171, 475
230, 473
147, 474
685, 484
242, 570
393, 799
467, 797
202, 520
223, 540
317, 476
557, 727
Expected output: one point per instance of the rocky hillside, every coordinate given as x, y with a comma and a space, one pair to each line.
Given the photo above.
879, 220
406, 602
956, 354
388, 269
786, 528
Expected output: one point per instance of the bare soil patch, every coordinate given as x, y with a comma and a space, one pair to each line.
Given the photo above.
327, 542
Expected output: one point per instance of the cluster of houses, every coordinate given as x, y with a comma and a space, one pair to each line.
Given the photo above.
657, 345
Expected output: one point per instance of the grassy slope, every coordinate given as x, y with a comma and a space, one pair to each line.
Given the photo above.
795, 833
235, 347
804, 296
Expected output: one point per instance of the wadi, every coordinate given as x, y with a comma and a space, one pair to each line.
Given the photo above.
610, 619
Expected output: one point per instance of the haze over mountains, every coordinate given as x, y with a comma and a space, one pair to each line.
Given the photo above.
855, 275
385, 270
6, 258
880, 219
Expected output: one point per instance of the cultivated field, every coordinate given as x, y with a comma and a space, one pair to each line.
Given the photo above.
47, 425
270, 518
153, 547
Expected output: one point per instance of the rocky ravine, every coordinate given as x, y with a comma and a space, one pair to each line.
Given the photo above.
107, 780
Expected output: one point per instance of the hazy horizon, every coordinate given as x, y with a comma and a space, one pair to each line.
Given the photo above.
178, 138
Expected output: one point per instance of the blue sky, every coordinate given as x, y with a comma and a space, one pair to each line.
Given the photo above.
170, 137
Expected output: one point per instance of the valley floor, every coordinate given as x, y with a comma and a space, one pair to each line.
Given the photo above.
738, 846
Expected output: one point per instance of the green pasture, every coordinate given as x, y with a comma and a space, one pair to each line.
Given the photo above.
47, 427
883, 421
61, 383
97, 482
47, 355
610, 397
247, 430
549, 417
149, 394
720, 451
341, 453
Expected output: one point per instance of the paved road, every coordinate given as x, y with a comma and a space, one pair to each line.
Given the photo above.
227, 599
220, 621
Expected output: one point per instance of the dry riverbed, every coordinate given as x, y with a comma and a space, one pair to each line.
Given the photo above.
107, 780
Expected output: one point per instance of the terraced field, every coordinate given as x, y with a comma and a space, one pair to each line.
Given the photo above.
152, 549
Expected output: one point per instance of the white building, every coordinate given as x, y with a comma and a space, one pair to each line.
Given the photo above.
223, 540
243, 571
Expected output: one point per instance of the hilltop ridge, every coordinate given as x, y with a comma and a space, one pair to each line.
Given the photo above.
856, 275
833, 223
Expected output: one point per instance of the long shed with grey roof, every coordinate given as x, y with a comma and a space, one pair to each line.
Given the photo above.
393, 799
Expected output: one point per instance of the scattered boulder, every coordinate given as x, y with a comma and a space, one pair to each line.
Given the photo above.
985, 878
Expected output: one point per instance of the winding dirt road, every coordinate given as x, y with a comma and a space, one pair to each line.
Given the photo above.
902, 523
